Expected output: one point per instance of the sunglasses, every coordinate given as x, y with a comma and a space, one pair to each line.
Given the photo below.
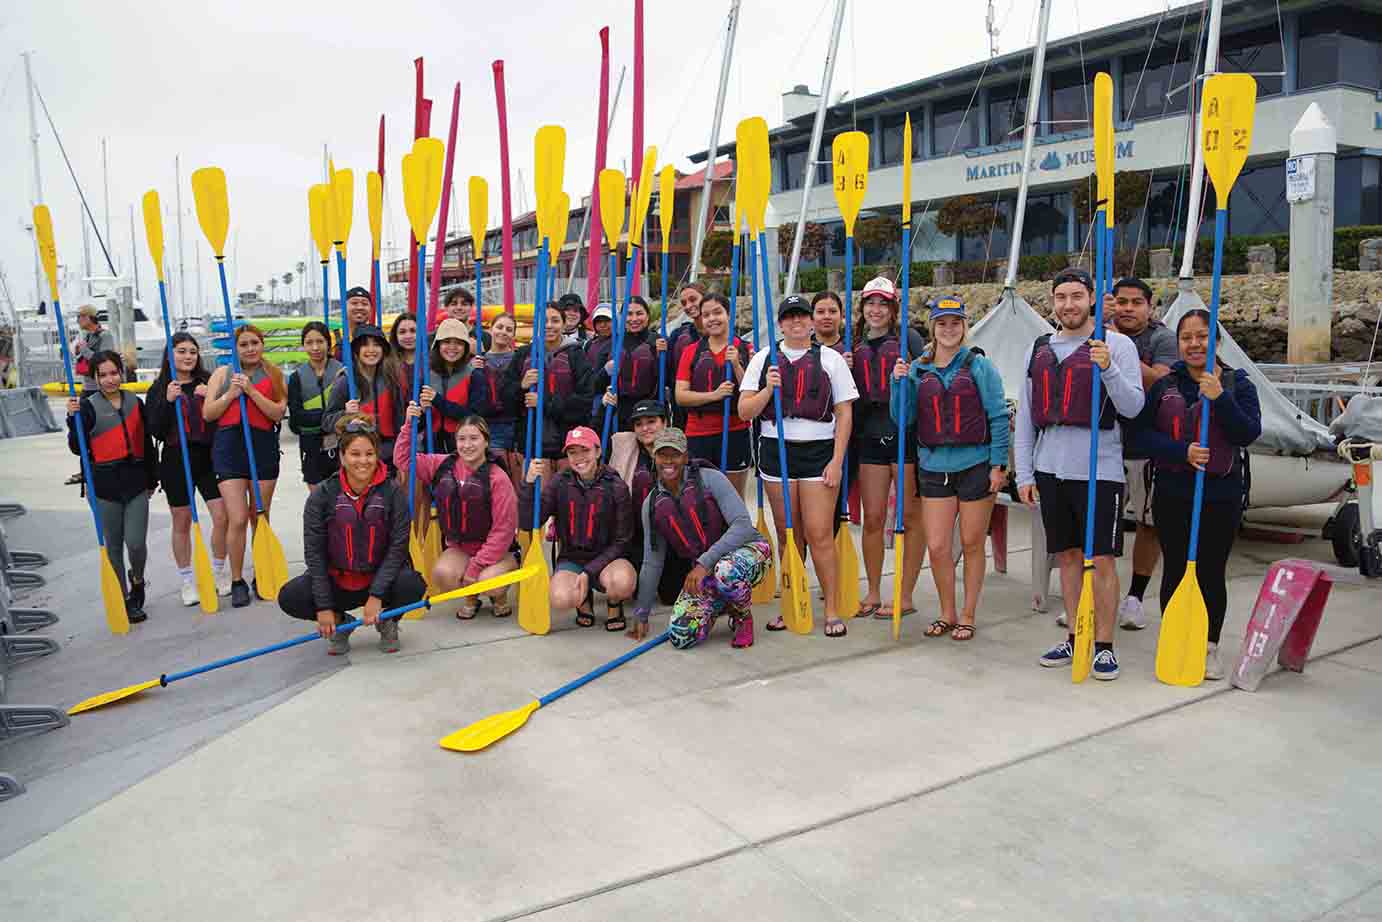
365, 426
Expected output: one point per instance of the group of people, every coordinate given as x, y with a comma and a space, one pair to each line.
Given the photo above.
642, 490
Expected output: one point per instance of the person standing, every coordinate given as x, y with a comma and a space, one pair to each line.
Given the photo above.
828, 321
359, 312
631, 457
307, 390
1052, 443
573, 314
447, 391
1129, 311
93, 339
488, 370
124, 469
702, 387
684, 336
1168, 430
695, 515
639, 349
459, 304
567, 401
377, 390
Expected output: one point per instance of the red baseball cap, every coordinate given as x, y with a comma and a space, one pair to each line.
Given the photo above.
582, 435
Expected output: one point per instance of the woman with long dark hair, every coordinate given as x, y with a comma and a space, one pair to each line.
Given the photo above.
377, 390
447, 390
307, 389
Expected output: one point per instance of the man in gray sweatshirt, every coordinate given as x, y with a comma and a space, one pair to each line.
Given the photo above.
1051, 449
695, 513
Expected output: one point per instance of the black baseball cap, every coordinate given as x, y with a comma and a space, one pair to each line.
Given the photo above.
1073, 274
369, 331
358, 292
573, 301
793, 304
647, 408
1132, 281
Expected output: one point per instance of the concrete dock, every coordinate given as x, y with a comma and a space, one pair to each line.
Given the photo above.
806, 778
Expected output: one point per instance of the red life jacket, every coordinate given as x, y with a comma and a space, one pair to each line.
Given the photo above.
692, 522
358, 533
953, 415
116, 435
456, 389
1061, 390
377, 398
873, 368
586, 514
260, 381
806, 390
464, 504
1180, 419
638, 370
708, 374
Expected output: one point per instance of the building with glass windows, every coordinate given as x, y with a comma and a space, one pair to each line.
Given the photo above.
967, 130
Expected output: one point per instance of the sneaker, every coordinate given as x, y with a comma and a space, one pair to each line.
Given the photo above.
388, 635
1105, 665
1059, 655
239, 594
338, 644
1130, 615
190, 596
134, 602
1213, 667
222, 577
743, 631
1062, 620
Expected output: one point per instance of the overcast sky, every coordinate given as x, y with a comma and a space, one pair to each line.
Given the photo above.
258, 87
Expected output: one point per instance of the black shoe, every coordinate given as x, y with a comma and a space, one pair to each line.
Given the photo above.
74, 479
134, 602
239, 594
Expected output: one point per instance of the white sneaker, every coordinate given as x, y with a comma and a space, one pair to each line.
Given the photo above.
190, 596
1062, 620
1213, 668
1130, 616
222, 580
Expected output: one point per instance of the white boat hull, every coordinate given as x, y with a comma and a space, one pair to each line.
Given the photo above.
1287, 481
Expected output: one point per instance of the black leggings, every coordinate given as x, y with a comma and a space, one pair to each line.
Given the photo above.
1218, 529
295, 598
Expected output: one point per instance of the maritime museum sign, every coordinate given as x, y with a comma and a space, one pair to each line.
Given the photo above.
1052, 162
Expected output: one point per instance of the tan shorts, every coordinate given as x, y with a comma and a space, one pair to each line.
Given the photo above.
1139, 505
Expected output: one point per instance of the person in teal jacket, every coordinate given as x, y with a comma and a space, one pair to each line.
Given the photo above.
956, 410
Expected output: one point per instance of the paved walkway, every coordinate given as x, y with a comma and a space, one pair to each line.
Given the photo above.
804, 779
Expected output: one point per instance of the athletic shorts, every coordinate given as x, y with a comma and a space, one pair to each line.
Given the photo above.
969, 485
174, 479
707, 448
805, 460
880, 451
228, 453
1140, 490
1063, 506
570, 566
317, 465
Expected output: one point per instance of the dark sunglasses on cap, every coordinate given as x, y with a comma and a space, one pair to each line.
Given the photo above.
361, 425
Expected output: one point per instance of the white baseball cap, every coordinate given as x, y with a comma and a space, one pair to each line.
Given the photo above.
602, 311
878, 286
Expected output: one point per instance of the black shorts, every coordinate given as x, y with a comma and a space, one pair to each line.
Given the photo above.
707, 448
317, 465
969, 485
876, 450
228, 453
805, 460
1063, 505
174, 479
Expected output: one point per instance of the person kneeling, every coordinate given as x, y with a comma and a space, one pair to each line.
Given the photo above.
594, 516
695, 514
355, 543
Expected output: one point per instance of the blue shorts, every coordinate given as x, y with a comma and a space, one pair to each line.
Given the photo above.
228, 453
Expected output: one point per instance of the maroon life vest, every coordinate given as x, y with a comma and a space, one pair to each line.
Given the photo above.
464, 504
953, 415
485, 389
806, 390
117, 435
643, 481
692, 522
638, 370
358, 532
1061, 391
561, 377
194, 425
708, 374
873, 368
1180, 419
585, 514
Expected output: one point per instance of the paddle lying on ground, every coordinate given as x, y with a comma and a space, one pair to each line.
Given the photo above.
849, 154
488, 585
201, 561
1226, 137
318, 197
213, 213
112, 596
492, 729
900, 602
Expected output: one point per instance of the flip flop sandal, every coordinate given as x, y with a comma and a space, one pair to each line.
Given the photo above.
502, 609
962, 633
843, 629
585, 618
467, 612
777, 624
871, 611
616, 622
939, 628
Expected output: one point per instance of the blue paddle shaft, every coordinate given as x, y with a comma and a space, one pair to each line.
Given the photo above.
235, 365
326, 304
379, 296
1100, 257
539, 348
849, 347
177, 404
346, 358
1220, 228
620, 332
777, 391
417, 390
77, 424
594, 674
903, 323
662, 356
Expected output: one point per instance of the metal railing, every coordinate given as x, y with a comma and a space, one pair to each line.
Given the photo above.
1322, 390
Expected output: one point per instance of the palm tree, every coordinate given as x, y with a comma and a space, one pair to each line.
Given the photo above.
288, 285
259, 292
302, 280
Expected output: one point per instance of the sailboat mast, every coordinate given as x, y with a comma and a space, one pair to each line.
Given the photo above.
105, 181
731, 27
182, 268
813, 151
134, 254
86, 253
1192, 221
1028, 139
38, 179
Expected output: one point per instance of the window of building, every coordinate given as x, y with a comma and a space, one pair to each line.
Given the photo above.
891, 138
1145, 92
1257, 204
1007, 114
1340, 45
1257, 52
1356, 191
794, 161
995, 243
1072, 104
956, 128
1045, 226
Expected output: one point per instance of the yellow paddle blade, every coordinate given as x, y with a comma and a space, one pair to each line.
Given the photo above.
642, 195
491, 584
561, 217
47, 249
431, 545
1226, 135
1183, 643
113, 597
906, 173
479, 215
418, 555
796, 598
534, 606
342, 208
766, 589
317, 198
666, 195
743, 166
751, 140
422, 171
201, 569
849, 153
846, 573
490, 730
101, 700
213, 206
153, 230
549, 155
1103, 144
899, 555
1084, 628
374, 199
612, 206
270, 567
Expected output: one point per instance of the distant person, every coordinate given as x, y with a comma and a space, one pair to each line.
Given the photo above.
359, 311
307, 391
93, 339
459, 304
573, 314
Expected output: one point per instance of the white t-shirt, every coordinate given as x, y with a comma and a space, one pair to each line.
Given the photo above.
805, 430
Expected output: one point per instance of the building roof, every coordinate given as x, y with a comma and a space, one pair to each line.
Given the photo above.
723, 171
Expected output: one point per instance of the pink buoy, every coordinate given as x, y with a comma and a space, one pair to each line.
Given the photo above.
1284, 619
